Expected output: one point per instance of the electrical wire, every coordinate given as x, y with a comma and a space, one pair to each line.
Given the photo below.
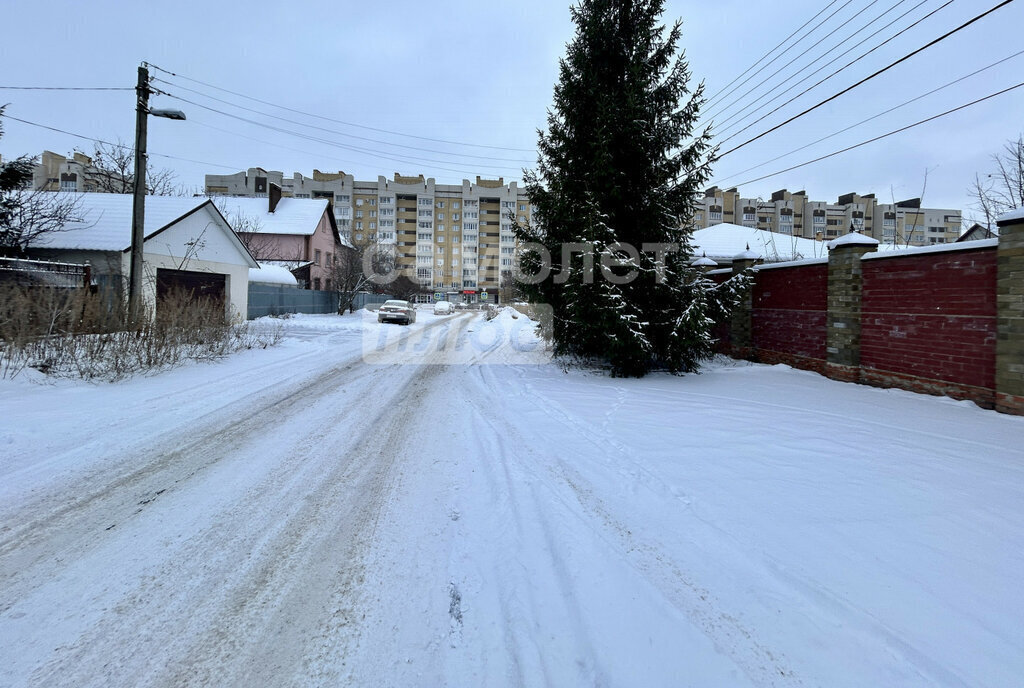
108, 143
338, 121
882, 136
67, 88
713, 98
348, 147
869, 77
725, 182
768, 64
841, 69
722, 128
335, 131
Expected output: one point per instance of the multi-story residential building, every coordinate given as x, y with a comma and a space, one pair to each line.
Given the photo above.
56, 172
452, 238
904, 223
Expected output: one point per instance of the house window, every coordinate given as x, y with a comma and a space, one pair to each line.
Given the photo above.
316, 258
316, 283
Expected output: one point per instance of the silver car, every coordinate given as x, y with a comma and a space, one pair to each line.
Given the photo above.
396, 311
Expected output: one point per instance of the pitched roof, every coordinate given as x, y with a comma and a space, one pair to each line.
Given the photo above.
103, 222
722, 242
294, 216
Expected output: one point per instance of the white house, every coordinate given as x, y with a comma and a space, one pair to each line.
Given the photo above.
187, 243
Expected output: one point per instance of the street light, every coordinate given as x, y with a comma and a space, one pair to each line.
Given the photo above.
142, 112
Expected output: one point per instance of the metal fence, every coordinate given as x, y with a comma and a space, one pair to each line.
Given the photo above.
44, 273
274, 299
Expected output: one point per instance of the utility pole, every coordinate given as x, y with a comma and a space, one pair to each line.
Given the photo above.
142, 113
139, 193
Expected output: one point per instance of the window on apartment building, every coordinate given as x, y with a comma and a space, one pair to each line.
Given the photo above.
359, 225
455, 217
440, 216
470, 203
748, 217
440, 262
440, 239
301, 195
522, 207
424, 236
455, 239
429, 212
387, 235
440, 249
455, 250
373, 202
698, 216
359, 202
373, 225
316, 256
522, 218
508, 204
439, 228
425, 201
506, 261
387, 200
69, 185
455, 205
425, 225
508, 249
440, 204
455, 263
423, 273
339, 198
359, 236
359, 213
373, 213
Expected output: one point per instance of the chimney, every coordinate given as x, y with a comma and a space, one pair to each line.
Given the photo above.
274, 194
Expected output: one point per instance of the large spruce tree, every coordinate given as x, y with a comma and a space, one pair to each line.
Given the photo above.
619, 169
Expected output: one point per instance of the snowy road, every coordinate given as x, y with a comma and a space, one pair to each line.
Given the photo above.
321, 514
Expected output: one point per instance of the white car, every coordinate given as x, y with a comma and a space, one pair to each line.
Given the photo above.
396, 311
444, 308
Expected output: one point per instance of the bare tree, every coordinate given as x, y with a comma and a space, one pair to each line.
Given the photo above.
26, 215
114, 172
1002, 190
366, 267
249, 230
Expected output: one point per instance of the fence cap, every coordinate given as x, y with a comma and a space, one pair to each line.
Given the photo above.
852, 239
1011, 218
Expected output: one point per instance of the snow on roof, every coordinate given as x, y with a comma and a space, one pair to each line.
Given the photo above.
103, 222
899, 251
703, 261
722, 242
1011, 216
853, 239
296, 216
272, 274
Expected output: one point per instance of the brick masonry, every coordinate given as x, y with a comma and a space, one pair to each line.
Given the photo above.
1010, 319
948, 323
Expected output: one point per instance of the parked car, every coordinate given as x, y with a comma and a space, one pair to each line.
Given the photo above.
444, 308
396, 311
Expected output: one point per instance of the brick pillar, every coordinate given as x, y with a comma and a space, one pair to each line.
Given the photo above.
741, 326
844, 293
1010, 314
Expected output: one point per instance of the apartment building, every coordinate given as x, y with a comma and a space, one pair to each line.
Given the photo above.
55, 172
456, 239
904, 223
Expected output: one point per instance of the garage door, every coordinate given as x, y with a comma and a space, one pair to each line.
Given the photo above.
199, 287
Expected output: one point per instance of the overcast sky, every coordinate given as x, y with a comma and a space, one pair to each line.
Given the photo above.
471, 72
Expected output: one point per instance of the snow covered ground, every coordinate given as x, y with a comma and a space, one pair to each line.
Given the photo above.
440, 505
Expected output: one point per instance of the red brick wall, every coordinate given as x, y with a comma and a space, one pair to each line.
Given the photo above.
790, 307
930, 317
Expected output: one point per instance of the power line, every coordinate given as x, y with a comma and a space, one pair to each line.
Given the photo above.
779, 94
768, 64
334, 131
841, 69
328, 142
67, 88
873, 117
108, 143
338, 121
886, 135
868, 78
713, 98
